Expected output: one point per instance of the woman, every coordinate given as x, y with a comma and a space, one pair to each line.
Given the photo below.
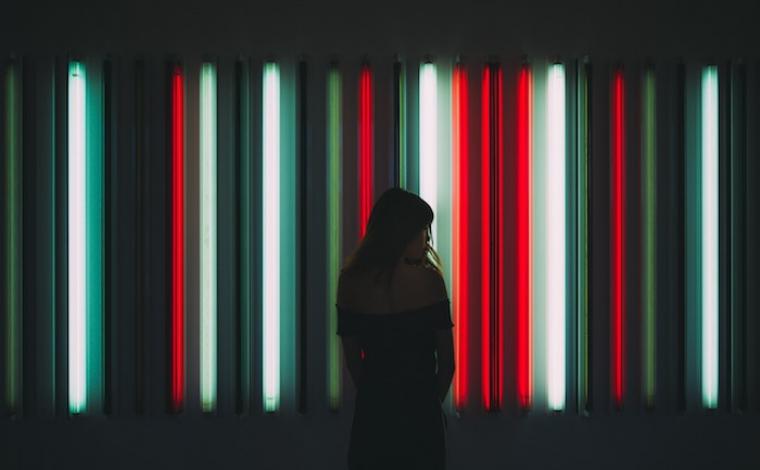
394, 320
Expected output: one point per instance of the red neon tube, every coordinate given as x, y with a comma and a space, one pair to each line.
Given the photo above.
461, 235
178, 241
492, 244
366, 146
618, 234
523, 236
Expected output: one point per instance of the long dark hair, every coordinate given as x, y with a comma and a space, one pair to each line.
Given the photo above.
395, 220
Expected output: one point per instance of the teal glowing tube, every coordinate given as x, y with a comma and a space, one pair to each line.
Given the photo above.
401, 119
13, 237
77, 204
710, 237
271, 226
584, 72
334, 224
208, 245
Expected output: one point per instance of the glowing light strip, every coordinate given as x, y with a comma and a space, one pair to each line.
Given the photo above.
366, 146
461, 231
556, 234
428, 137
584, 77
13, 236
77, 223
492, 245
271, 222
243, 79
208, 246
523, 237
178, 239
401, 138
710, 236
648, 235
618, 234
334, 217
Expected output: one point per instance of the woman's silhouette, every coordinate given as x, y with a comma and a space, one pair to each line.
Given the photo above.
394, 320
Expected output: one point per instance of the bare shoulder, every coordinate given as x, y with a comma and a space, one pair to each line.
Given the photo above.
431, 281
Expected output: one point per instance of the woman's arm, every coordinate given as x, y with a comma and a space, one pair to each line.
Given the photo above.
445, 353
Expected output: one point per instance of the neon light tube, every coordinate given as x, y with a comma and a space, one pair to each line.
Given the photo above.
710, 236
302, 267
649, 283
208, 246
178, 239
617, 277
271, 235
140, 145
524, 221
366, 146
77, 225
584, 138
245, 234
492, 243
556, 234
400, 137
334, 218
461, 231
428, 136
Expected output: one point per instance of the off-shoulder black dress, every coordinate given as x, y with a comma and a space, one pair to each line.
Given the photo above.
398, 422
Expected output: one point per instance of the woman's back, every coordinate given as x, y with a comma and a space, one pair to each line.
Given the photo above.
398, 418
412, 286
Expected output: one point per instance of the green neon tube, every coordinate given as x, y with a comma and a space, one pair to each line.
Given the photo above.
710, 237
13, 238
208, 246
649, 205
77, 238
244, 78
271, 235
556, 235
402, 138
95, 236
334, 224
582, 249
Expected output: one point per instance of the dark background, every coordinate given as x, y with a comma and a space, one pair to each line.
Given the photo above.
606, 31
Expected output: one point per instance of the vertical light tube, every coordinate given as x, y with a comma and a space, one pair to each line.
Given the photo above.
710, 236
492, 223
366, 147
245, 235
617, 277
556, 234
461, 293
208, 251
77, 238
649, 205
177, 391
271, 235
524, 234
428, 136
334, 224
583, 140
399, 85
13, 237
